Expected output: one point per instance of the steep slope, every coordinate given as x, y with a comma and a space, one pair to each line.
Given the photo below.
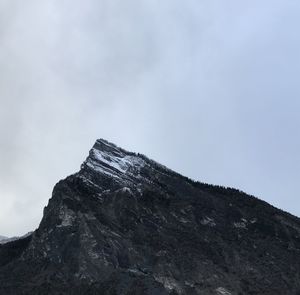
126, 225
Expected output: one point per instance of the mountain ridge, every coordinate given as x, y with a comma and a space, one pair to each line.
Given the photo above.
195, 182
124, 224
4, 240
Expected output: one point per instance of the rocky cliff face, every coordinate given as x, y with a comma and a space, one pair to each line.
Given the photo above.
126, 225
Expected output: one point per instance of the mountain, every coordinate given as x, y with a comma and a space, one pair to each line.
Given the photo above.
4, 240
125, 224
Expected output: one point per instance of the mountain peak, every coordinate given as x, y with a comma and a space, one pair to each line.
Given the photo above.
104, 145
111, 161
125, 224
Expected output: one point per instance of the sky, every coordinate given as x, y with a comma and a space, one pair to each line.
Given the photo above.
208, 88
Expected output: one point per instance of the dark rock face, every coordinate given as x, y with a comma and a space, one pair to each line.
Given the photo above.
126, 225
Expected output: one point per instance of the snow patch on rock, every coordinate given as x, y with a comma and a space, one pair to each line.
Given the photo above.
223, 291
121, 163
169, 283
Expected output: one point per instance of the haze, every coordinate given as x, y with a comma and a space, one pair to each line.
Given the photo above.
207, 88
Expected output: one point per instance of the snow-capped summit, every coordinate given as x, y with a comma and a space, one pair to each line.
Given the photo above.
108, 159
109, 165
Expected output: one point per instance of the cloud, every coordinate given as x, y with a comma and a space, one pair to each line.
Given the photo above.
207, 88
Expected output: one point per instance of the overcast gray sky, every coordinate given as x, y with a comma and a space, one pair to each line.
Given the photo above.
209, 88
